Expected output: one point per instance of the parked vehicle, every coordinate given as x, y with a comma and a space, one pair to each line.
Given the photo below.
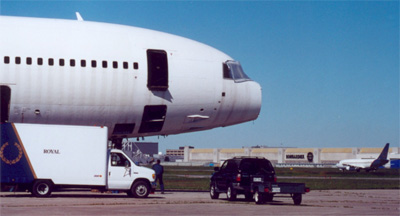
45, 158
255, 178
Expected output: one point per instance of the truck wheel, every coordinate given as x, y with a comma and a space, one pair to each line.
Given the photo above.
231, 193
42, 188
140, 189
297, 198
259, 198
213, 193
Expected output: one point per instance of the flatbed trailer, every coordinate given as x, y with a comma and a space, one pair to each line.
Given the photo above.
265, 191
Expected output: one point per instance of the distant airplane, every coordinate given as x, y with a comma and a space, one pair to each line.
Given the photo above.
367, 164
135, 81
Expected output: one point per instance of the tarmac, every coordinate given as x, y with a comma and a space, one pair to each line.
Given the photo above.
327, 202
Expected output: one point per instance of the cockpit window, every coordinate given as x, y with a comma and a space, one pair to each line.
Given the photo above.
233, 70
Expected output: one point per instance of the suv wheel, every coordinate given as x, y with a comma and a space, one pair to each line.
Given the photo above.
213, 193
259, 198
248, 196
231, 193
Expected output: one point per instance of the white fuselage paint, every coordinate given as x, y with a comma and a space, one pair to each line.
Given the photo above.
357, 163
106, 96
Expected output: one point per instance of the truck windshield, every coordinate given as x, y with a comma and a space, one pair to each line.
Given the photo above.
233, 70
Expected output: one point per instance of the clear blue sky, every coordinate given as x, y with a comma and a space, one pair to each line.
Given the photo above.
329, 69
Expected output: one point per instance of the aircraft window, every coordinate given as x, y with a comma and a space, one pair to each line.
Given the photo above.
94, 63
233, 70
40, 61
28, 60
104, 64
227, 72
51, 61
125, 65
157, 63
61, 62
17, 60
6, 59
5, 97
153, 118
83, 63
115, 64
72, 62
135, 65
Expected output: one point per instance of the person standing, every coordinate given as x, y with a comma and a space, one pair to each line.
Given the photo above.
159, 169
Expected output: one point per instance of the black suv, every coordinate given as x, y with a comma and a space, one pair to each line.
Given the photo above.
239, 175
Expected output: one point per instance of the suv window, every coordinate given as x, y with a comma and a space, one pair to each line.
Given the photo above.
254, 166
231, 166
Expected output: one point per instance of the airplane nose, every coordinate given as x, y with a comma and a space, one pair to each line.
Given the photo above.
243, 105
254, 102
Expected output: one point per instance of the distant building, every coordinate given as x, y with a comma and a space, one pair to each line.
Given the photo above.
177, 152
293, 156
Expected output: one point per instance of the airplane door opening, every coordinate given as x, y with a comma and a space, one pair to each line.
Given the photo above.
153, 118
157, 64
5, 103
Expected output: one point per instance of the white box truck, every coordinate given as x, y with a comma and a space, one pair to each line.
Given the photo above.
45, 158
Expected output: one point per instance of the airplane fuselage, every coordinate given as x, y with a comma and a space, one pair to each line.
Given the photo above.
135, 81
365, 163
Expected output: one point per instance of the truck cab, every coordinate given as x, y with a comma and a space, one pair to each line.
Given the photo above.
124, 174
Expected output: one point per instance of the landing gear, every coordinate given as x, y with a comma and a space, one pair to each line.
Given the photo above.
117, 142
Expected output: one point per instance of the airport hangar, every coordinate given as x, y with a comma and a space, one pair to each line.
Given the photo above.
312, 157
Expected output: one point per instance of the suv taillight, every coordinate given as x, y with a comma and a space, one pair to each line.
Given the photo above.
238, 177
275, 179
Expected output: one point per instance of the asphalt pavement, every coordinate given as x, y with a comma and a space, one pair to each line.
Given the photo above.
330, 202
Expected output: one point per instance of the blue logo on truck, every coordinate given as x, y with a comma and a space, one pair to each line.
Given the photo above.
15, 164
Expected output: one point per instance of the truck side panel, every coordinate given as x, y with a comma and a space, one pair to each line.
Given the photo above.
15, 165
68, 155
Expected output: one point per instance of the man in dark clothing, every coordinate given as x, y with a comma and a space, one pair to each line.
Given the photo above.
159, 169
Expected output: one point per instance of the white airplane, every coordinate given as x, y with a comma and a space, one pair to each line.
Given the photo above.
135, 81
367, 164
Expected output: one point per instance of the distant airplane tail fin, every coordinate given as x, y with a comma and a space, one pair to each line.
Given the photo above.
384, 153
382, 159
